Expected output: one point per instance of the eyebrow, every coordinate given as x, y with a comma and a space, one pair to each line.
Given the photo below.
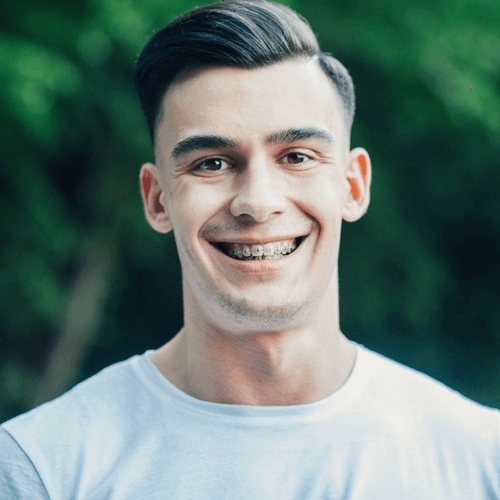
199, 142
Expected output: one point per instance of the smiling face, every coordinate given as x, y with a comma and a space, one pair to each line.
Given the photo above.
248, 161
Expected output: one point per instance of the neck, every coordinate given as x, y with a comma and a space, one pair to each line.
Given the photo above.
296, 366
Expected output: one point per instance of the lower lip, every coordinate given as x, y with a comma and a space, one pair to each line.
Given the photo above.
258, 266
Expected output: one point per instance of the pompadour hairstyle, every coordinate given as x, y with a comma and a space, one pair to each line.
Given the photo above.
238, 33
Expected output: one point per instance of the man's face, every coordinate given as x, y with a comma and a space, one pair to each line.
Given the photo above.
252, 189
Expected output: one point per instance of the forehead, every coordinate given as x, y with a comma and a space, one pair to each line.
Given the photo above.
249, 104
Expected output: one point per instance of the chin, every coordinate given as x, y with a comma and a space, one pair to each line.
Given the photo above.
257, 315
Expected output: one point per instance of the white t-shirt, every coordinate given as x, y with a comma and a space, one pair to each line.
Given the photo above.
388, 433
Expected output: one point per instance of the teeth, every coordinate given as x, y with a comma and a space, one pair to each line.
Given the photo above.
267, 251
257, 251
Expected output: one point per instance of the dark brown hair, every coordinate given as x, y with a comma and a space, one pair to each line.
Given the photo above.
238, 33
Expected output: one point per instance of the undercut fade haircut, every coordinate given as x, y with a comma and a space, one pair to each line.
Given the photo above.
236, 33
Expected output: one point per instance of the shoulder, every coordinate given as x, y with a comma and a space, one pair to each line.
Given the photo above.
69, 433
429, 405
451, 439
96, 396
19, 479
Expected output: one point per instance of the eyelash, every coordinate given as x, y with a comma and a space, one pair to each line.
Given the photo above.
196, 167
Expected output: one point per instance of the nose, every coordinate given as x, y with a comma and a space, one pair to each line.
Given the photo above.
260, 193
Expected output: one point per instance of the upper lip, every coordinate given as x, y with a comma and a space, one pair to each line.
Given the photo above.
257, 241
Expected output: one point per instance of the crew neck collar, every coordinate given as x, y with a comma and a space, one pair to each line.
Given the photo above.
330, 403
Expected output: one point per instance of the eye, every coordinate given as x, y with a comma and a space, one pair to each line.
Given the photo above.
212, 165
296, 158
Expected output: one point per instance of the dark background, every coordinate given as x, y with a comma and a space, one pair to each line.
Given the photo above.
85, 282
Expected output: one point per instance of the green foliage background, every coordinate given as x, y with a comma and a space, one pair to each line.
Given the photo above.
85, 282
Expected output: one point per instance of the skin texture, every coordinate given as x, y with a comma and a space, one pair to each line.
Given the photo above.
262, 334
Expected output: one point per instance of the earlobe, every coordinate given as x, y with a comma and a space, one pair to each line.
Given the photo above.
153, 199
358, 176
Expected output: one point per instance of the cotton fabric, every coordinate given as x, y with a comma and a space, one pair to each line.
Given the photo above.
127, 433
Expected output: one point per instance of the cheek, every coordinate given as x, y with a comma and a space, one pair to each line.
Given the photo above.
323, 197
193, 204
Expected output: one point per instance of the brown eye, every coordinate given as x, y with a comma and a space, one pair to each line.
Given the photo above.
212, 164
296, 158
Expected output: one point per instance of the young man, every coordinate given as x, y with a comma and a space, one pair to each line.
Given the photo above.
260, 395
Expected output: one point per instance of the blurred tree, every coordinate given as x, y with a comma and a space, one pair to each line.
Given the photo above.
86, 282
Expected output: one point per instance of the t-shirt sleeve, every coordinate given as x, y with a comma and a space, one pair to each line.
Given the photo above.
19, 480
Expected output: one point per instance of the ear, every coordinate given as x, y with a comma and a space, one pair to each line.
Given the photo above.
153, 199
359, 177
